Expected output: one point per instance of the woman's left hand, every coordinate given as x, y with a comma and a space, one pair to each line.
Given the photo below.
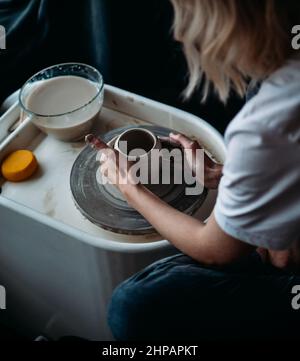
212, 170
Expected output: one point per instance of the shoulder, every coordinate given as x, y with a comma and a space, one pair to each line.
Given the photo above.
261, 170
275, 111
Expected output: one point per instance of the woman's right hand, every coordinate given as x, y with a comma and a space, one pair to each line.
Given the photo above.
212, 170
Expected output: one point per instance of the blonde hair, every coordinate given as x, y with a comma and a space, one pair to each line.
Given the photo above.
226, 42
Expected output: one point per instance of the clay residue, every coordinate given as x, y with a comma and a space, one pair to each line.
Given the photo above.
131, 99
49, 203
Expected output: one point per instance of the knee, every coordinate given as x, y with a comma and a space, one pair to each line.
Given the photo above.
130, 305
124, 316
138, 302
116, 307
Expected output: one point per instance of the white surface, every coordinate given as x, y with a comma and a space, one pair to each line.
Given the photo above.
48, 192
59, 270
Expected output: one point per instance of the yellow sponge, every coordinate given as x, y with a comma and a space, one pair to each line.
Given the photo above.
19, 165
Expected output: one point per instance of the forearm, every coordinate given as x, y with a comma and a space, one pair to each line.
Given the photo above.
205, 243
180, 229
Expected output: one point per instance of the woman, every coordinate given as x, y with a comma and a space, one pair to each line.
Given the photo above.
236, 276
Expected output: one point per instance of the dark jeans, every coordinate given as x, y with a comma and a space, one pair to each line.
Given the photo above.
179, 299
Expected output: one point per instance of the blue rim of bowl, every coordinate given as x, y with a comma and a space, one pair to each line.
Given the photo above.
61, 114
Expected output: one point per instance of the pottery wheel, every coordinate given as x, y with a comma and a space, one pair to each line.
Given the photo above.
104, 206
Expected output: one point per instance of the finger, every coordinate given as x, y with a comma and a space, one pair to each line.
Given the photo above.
103, 157
104, 172
214, 168
105, 177
101, 168
95, 142
169, 140
185, 141
107, 154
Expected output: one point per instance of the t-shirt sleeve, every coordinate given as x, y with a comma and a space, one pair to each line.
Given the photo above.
259, 194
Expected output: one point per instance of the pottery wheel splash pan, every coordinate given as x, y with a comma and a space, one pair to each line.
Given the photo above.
104, 206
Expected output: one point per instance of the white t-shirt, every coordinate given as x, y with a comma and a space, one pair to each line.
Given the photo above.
259, 193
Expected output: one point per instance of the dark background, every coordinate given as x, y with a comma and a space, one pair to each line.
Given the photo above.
129, 41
